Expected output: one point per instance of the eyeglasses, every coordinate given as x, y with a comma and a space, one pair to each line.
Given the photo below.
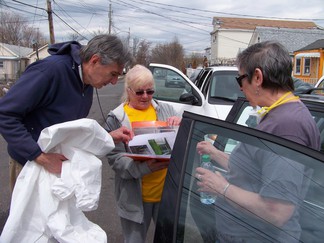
240, 78
141, 92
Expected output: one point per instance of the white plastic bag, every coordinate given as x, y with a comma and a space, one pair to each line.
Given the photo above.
48, 208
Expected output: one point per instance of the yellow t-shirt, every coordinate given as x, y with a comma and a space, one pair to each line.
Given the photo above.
152, 184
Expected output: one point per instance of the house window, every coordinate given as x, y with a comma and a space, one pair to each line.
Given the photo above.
306, 66
297, 66
1, 64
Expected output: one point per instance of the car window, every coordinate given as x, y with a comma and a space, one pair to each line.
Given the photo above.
321, 84
245, 115
320, 87
200, 80
224, 86
206, 84
183, 214
169, 85
195, 75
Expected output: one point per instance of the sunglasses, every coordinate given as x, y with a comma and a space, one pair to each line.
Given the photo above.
240, 78
141, 92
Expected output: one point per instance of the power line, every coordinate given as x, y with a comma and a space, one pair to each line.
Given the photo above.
230, 14
69, 16
29, 5
170, 14
163, 16
172, 9
70, 26
15, 8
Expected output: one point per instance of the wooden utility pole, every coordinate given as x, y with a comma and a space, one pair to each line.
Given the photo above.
50, 22
109, 19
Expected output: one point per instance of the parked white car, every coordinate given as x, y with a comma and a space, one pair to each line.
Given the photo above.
211, 94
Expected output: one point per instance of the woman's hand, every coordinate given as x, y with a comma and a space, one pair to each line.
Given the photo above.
155, 165
174, 121
210, 182
205, 147
274, 211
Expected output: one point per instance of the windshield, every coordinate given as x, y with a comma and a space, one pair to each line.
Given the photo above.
223, 85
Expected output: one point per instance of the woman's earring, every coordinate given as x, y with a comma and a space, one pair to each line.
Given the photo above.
257, 91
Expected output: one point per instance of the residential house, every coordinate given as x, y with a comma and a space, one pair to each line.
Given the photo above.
38, 54
309, 62
13, 61
232, 35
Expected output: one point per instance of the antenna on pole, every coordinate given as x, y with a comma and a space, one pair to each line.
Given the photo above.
50, 22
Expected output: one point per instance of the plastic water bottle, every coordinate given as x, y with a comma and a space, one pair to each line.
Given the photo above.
206, 198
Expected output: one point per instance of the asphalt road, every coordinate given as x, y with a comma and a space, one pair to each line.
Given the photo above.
106, 215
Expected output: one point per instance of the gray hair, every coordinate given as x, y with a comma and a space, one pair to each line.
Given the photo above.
274, 61
109, 48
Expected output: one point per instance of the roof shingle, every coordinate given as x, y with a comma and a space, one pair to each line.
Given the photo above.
250, 24
318, 44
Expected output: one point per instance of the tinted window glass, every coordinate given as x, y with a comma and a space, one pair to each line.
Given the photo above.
202, 77
247, 117
224, 85
169, 85
195, 75
273, 171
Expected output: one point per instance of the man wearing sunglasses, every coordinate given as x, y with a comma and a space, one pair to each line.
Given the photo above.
138, 184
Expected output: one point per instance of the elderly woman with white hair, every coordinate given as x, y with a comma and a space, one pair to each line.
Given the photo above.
138, 185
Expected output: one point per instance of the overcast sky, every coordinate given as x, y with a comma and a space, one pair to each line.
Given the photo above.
157, 21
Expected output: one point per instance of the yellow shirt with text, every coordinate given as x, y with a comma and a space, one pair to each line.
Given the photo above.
152, 184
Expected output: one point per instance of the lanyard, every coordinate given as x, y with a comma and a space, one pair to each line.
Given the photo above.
282, 100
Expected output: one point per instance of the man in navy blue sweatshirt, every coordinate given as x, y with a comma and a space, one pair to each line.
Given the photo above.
58, 89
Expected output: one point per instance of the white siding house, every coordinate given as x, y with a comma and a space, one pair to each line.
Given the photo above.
232, 35
14, 60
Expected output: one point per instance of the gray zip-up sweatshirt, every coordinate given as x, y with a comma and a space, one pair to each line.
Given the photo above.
128, 189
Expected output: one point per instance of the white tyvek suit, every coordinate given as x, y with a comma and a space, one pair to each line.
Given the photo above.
48, 208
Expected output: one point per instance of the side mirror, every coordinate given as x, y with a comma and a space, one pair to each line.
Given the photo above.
188, 98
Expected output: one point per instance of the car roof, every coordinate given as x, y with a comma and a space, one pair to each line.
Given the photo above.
222, 68
312, 97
